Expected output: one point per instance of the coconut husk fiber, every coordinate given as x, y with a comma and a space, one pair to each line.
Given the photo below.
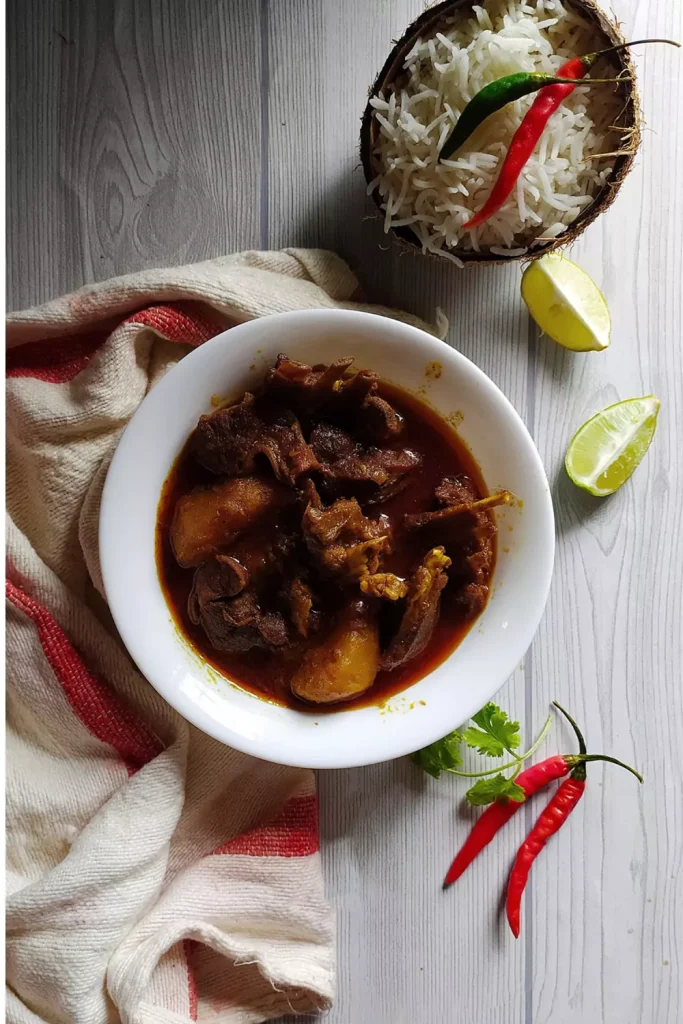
627, 129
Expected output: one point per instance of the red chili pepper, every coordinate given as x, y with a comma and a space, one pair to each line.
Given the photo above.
531, 780
495, 816
550, 821
530, 130
524, 141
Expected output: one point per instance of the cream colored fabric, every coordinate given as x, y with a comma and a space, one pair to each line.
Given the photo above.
144, 881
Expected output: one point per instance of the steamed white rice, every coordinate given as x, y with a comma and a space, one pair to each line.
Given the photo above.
443, 73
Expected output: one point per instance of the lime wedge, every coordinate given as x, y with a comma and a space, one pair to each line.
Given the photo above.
566, 304
610, 445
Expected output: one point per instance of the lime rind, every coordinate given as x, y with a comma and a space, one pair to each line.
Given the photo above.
606, 450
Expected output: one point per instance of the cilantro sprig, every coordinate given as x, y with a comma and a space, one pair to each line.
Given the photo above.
497, 788
442, 756
493, 734
496, 734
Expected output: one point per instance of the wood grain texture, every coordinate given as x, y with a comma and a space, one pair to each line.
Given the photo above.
612, 640
134, 137
161, 132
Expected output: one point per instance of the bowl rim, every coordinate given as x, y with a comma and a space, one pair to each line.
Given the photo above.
603, 199
127, 617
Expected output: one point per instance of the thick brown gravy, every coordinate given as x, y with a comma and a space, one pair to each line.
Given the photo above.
267, 673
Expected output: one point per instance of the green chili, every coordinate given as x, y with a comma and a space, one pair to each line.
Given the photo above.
496, 95
530, 130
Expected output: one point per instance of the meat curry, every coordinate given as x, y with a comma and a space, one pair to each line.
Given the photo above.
326, 539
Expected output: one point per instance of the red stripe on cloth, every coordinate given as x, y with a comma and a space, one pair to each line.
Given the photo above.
193, 997
292, 833
59, 360
187, 322
54, 360
97, 707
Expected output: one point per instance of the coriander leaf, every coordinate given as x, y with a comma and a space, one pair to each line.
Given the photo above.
485, 791
502, 734
483, 742
440, 756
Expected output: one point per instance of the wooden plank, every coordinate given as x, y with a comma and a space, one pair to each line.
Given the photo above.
607, 902
407, 952
134, 138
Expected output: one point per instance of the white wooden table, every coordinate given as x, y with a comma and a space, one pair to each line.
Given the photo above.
148, 132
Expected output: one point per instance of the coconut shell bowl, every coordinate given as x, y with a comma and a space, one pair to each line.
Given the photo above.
613, 108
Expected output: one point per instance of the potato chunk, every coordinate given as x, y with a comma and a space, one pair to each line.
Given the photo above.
345, 664
209, 518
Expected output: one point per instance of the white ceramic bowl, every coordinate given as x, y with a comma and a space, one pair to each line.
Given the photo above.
450, 694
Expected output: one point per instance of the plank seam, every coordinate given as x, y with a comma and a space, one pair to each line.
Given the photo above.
532, 358
264, 199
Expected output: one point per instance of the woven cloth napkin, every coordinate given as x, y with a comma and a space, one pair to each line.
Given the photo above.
154, 876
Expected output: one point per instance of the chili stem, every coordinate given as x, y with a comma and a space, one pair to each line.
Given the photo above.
582, 756
612, 760
636, 42
511, 764
579, 734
